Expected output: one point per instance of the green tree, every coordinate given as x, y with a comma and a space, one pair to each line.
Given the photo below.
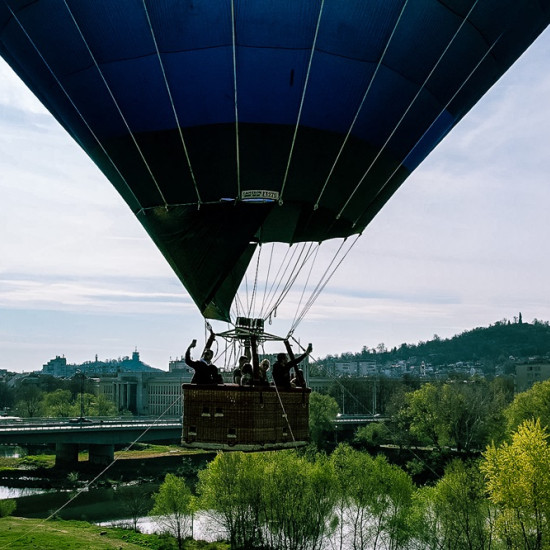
518, 482
420, 415
374, 501
322, 414
29, 401
455, 513
231, 487
174, 505
59, 403
7, 507
530, 405
298, 501
270, 500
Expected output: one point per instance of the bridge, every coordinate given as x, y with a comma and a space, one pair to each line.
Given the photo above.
99, 435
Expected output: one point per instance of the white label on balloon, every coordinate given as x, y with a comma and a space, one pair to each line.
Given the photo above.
260, 194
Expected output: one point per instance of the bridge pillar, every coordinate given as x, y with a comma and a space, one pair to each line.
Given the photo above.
66, 454
101, 454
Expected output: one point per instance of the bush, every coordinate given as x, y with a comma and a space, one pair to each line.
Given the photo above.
7, 507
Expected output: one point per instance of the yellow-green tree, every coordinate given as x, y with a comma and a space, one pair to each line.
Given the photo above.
518, 482
455, 512
530, 405
231, 488
374, 501
174, 506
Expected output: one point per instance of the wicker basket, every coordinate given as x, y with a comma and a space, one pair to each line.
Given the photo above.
232, 417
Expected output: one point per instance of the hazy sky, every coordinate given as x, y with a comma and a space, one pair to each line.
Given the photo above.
462, 244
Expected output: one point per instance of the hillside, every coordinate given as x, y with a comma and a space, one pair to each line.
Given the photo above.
496, 344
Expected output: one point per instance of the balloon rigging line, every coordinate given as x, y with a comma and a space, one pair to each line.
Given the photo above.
68, 97
255, 287
306, 283
313, 296
276, 301
291, 152
266, 279
441, 112
235, 99
407, 110
96, 64
267, 295
285, 415
174, 111
295, 271
360, 107
324, 280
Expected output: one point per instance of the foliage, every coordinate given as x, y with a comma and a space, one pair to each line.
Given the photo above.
297, 500
374, 501
29, 401
454, 513
518, 482
174, 507
231, 486
7, 507
322, 413
532, 404
486, 346
463, 415
373, 434
280, 500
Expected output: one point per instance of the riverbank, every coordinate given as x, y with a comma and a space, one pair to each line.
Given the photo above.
147, 463
22, 533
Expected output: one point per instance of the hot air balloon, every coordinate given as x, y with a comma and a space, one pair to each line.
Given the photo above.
228, 126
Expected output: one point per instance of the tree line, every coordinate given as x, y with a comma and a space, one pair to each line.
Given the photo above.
497, 498
489, 346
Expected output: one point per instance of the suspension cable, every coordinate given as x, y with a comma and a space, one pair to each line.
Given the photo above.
359, 109
291, 152
326, 277
235, 97
254, 288
69, 98
306, 283
407, 110
174, 111
443, 109
115, 102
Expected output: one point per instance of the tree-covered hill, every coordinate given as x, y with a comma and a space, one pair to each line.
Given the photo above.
495, 343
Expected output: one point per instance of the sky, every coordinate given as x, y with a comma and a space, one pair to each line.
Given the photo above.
462, 244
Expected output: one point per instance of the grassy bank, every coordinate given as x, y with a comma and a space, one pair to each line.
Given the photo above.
21, 533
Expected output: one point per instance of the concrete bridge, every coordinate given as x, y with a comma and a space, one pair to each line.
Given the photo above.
98, 435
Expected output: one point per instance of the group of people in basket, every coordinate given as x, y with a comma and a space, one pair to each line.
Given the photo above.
243, 375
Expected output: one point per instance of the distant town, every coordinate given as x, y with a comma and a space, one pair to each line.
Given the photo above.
514, 349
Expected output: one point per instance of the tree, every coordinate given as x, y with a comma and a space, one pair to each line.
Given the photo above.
174, 507
530, 405
29, 401
455, 513
322, 414
231, 487
134, 502
420, 415
518, 482
298, 501
59, 403
374, 501
272, 500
